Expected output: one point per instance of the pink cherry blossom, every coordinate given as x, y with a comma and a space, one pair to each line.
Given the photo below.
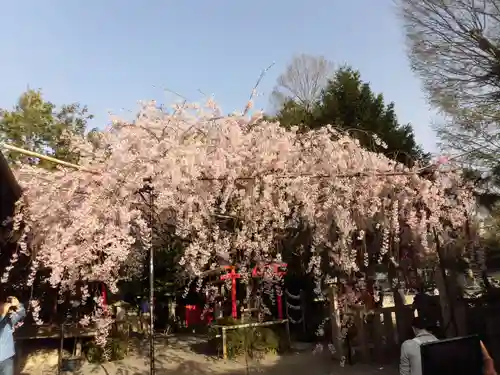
443, 160
207, 169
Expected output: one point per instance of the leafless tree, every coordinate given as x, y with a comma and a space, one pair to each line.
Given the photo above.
303, 80
453, 45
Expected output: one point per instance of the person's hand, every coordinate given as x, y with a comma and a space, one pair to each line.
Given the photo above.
489, 366
13, 302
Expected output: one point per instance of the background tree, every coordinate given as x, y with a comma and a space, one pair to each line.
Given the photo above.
302, 81
349, 104
40, 126
453, 47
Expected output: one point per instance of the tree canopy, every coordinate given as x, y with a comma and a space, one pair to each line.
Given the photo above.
229, 192
40, 126
453, 47
349, 104
302, 81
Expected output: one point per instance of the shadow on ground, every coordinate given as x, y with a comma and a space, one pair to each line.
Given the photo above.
177, 358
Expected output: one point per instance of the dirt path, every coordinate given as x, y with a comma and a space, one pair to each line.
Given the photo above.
177, 358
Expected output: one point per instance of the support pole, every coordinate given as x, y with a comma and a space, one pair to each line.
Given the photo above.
148, 195
151, 285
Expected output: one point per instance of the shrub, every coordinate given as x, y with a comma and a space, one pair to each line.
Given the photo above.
116, 349
255, 341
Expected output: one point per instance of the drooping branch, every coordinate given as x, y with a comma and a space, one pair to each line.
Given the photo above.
229, 191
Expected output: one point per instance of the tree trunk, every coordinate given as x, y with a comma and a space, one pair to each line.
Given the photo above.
452, 307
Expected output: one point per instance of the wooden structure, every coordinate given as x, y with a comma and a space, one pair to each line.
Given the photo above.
233, 276
380, 332
224, 328
33, 332
229, 272
375, 335
279, 269
377, 338
259, 271
51, 331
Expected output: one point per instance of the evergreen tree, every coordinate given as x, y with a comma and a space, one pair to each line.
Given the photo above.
349, 104
38, 125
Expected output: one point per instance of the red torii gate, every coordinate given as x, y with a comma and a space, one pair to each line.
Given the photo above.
232, 275
279, 269
258, 271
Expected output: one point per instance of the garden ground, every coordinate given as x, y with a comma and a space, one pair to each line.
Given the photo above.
177, 358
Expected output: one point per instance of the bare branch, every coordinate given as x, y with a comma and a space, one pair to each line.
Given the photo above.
453, 46
254, 90
303, 80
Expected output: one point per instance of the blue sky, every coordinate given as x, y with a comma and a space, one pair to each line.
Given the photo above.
109, 54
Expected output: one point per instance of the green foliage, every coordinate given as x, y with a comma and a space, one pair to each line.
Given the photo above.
116, 349
295, 114
166, 268
255, 341
38, 125
349, 104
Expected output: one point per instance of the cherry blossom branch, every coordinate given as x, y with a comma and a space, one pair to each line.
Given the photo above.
240, 178
343, 175
254, 90
91, 228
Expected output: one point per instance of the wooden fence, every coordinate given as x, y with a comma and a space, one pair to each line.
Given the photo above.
377, 335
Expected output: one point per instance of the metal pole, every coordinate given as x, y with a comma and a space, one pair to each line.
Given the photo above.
151, 283
148, 188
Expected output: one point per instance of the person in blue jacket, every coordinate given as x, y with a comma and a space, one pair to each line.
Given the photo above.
11, 313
